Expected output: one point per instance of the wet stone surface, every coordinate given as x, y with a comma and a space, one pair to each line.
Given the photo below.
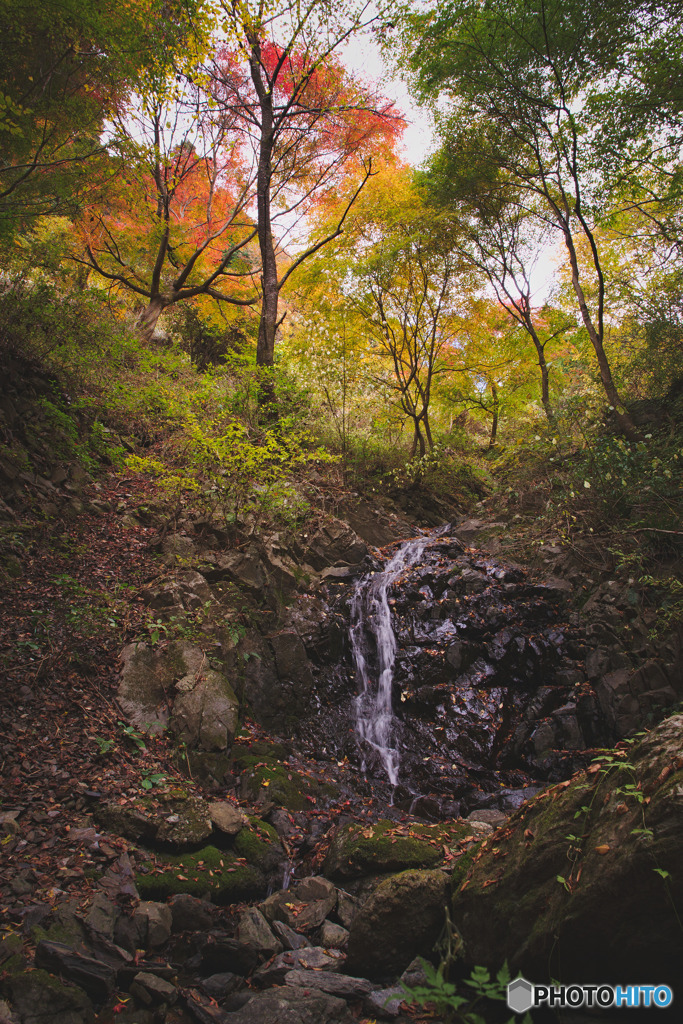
486, 699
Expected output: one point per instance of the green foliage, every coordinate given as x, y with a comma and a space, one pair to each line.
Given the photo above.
447, 998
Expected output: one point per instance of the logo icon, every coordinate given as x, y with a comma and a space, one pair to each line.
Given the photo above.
520, 995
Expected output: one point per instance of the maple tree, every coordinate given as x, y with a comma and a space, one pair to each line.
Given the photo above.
311, 127
174, 226
62, 70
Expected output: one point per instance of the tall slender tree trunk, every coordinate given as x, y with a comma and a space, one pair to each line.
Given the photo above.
495, 412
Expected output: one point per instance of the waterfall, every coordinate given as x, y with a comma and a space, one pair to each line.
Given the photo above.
370, 613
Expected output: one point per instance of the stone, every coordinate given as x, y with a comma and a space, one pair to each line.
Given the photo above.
357, 850
288, 937
93, 976
182, 821
386, 1002
102, 916
218, 986
147, 679
333, 936
312, 958
335, 984
226, 817
152, 990
291, 659
347, 907
39, 998
253, 930
618, 919
333, 543
189, 914
291, 1005
402, 919
206, 715
305, 907
154, 921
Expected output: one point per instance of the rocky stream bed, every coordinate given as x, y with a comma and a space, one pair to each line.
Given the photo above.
412, 728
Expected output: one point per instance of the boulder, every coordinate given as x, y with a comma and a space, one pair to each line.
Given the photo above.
601, 906
147, 679
227, 817
205, 712
402, 919
253, 931
374, 849
333, 542
175, 820
39, 998
311, 958
305, 907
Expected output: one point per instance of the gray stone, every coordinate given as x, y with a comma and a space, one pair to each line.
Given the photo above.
218, 986
347, 907
402, 919
190, 914
511, 905
291, 1005
386, 1002
95, 977
288, 937
253, 931
335, 984
102, 916
305, 907
154, 921
147, 679
152, 990
227, 817
312, 958
206, 715
333, 936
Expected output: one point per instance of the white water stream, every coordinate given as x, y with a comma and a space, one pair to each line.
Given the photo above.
371, 614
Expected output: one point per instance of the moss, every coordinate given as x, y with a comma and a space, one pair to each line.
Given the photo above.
264, 777
224, 877
385, 847
259, 845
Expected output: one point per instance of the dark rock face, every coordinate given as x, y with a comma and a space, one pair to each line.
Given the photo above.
616, 914
484, 689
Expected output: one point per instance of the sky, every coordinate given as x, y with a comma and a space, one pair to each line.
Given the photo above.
362, 56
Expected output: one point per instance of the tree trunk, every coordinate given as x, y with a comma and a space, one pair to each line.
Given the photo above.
147, 321
495, 411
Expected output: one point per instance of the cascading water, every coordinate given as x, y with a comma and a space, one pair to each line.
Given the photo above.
371, 614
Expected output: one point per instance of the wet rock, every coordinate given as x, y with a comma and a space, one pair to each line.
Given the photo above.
292, 1006
38, 998
253, 931
153, 991
402, 919
93, 976
511, 905
312, 958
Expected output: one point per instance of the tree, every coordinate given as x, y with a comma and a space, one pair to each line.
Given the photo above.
177, 228
407, 281
63, 67
310, 125
528, 82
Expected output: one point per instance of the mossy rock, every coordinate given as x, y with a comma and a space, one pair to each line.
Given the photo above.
387, 846
38, 996
175, 818
223, 876
259, 845
264, 777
